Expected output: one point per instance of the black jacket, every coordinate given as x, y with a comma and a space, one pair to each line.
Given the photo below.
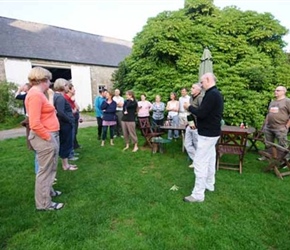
209, 113
131, 107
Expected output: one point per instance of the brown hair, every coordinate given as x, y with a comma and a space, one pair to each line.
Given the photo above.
131, 93
175, 95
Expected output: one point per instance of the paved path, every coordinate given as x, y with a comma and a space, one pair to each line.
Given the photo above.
18, 132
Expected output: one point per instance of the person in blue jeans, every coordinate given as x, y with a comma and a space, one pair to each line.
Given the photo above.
109, 107
172, 108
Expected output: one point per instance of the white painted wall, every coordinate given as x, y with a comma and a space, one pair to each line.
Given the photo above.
17, 70
81, 79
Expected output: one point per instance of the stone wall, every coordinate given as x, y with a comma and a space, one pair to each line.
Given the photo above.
101, 76
2, 70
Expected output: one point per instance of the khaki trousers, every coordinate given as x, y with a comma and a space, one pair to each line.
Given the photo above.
47, 155
129, 131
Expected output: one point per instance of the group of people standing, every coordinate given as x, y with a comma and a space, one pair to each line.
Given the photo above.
117, 114
52, 122
53, 116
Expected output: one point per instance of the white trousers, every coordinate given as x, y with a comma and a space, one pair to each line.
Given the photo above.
204, 166
190, 141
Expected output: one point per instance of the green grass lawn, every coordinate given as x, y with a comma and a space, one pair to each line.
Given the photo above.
122, 200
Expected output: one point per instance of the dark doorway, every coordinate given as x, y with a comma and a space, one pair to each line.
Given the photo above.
59, 73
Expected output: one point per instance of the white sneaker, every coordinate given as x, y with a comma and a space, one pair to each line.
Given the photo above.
263, 158
191, 199
73, 159
191, 166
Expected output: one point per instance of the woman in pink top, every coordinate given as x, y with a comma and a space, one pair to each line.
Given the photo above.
43, 136
144, 107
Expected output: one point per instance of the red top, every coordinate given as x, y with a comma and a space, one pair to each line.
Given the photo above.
70, 101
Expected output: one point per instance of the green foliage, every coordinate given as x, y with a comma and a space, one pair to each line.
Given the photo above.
8, 104
247, 49
89, 108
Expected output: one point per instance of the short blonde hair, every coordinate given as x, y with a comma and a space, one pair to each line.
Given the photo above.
59, 84
38, 75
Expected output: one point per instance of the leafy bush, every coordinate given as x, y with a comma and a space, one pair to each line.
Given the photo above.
89, 108
8, 104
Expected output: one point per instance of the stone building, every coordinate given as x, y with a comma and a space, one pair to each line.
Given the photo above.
88, 60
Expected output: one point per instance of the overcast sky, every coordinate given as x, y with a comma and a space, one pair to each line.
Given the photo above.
121, 18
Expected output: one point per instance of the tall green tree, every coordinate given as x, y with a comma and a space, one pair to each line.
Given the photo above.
247, 49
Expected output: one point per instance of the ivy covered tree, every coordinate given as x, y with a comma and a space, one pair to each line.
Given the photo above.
247, 49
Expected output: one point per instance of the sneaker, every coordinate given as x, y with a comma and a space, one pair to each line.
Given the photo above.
191, 166
53, 206
76, 154
73, 158
263, 158
122, 136
115, 136
191, 199
56, 193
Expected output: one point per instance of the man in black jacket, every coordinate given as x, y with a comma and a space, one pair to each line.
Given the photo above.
209, 115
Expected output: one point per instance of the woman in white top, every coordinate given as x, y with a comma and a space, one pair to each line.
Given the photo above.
172, 108
144, 107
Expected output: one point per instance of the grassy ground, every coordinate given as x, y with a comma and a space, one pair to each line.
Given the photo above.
122, 200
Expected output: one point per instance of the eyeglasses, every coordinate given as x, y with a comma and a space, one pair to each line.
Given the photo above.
278, 90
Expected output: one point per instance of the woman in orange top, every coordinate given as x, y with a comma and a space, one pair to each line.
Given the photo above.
43, 136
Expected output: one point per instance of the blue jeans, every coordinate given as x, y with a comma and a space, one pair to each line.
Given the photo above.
175, 122
104, 135
35, 163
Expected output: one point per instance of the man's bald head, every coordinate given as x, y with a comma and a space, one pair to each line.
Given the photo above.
208, 80
280, 92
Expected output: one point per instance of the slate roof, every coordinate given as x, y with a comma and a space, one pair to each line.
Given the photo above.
22, 39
